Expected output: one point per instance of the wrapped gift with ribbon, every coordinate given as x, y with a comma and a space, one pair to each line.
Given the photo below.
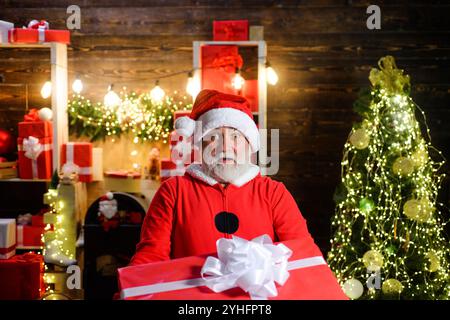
79, 156
22, 277
29, 231
7, 238
5, 26
38, 31
230, 30
32, 125
241, 269
35, 157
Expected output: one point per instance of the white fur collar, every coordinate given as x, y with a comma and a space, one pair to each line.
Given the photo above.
196, 171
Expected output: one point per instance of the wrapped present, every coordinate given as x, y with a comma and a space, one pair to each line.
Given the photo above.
256, 269
124, 181
181, 113
21, 277
230, 30
219, 65
35, 158
29, 237
79, 154
168, 169
33, 126
38, 32
7, 238
4, 29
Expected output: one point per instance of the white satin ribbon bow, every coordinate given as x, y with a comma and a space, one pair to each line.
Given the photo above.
254, 266
32, 147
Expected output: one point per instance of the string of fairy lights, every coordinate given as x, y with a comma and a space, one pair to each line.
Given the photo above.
390, 220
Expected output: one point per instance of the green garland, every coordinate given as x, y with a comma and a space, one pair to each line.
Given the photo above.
136, 114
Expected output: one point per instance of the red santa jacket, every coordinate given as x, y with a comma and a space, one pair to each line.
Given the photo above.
188, 214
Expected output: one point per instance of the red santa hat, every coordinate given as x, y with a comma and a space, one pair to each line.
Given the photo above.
109, 196
213, 109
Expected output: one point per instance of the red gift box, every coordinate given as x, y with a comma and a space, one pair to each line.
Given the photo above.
37, 220
219, 65
168, 169
38, 32
22, 277
310, 278
250, 91
7, 238
79, 153
35, 157
29, 237
33, 126
181, 113
230, 30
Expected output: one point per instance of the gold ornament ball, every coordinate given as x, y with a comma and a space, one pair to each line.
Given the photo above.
392, 286
373, 260
419, 157
353, 288
403, 166
419, 210
434, 263
359, 139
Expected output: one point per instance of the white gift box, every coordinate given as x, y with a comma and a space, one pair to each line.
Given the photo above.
4, 28
97, 164
7, 238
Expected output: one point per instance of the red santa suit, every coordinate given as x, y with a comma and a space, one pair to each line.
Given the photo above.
188, 214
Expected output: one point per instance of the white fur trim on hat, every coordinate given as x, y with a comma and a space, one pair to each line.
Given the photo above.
185, 126
228, 117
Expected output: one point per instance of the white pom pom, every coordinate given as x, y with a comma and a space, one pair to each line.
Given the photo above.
109, 195
45, 114
185, 126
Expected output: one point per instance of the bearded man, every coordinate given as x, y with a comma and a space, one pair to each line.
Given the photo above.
224, 194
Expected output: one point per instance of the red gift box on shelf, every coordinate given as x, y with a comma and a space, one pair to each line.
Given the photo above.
29, 237
35, 158
181, 113
168, 169
7, 238
80, 154
230, 30
22, 277
33, 126
308, 278
219, 65
38, 32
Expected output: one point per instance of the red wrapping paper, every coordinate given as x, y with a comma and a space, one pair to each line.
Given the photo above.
43, 163
18, 35
80, 153
310, 283
38, 129
230, 30
29, 237
21, 277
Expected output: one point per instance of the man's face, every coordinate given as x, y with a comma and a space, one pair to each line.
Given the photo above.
225, 153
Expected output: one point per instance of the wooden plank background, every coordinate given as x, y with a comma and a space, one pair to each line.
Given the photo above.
321, 50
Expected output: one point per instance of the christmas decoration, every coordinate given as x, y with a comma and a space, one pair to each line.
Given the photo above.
45, 114
107, 212
132, 113
353, 288
7, 144
7, 238
38, 31
79, 156
396, 171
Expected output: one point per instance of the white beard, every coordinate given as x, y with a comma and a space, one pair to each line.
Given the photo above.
225, 173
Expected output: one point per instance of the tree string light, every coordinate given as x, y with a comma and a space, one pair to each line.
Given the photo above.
387, 216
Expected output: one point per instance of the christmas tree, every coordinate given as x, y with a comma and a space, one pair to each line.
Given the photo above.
389, 240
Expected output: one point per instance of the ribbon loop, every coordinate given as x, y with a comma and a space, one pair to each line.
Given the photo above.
254, 266
389, 77
32, 147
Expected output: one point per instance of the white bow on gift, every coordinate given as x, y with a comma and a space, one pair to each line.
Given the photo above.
41, 26
32, 147
254, 266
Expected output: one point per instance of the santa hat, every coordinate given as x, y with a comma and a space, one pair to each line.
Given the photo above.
108, 197
213, 109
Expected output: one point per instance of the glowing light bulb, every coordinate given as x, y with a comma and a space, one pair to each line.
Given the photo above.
46, 90
238, 81
271, 75
77, 86
192, 86
111, 100
157, 93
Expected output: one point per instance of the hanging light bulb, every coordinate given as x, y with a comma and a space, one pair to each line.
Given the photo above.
46, 90
77, 85
192, 86
111, 100
271, 75
238, 81
157, 94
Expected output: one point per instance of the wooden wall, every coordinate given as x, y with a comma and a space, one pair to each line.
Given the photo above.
321, 50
